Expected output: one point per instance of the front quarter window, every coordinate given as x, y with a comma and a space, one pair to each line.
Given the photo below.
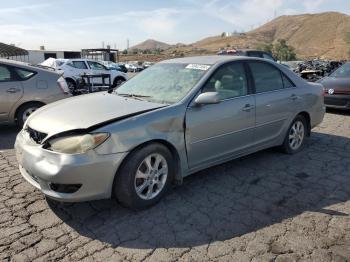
164, 83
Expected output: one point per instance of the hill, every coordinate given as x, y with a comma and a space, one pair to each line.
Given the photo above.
151, 45
312, 35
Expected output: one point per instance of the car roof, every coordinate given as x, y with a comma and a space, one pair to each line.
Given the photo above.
210, 60
25, 65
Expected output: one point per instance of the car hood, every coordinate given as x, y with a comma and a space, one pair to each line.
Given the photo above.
86, 111
335, 82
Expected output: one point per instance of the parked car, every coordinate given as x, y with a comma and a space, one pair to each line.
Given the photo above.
24, 88
247, 52
337, 88
73, 68
171, 120
115, 66
133, 67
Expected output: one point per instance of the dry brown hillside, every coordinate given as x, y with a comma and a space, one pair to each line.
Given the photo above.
312, 35
151, 45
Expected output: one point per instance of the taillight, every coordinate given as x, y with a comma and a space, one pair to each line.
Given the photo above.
62, 84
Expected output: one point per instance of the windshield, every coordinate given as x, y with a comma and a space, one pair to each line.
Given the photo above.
343, 71
164, 83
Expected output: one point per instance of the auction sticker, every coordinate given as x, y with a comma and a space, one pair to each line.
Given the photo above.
198, 67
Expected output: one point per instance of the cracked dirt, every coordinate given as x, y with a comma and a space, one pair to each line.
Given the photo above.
264, 207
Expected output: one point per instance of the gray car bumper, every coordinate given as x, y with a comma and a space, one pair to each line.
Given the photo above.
43, 169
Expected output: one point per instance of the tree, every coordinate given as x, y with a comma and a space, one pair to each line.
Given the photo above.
282, 51
265, 47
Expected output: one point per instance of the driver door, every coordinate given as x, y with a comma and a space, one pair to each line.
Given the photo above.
216, 132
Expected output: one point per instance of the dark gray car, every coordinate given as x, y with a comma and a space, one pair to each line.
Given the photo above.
175, 118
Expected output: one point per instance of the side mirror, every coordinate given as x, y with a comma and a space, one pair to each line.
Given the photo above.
207, 98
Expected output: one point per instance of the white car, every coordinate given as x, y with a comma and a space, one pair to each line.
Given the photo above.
72, 69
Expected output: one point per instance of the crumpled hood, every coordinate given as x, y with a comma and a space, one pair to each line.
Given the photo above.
85, 111
335, 82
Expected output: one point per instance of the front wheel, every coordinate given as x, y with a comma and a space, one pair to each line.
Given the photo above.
295, 137
145, 176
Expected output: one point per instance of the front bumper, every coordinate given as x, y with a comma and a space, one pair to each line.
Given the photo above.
337, 101
42, 168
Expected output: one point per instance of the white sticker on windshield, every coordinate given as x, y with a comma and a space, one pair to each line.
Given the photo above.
198, 67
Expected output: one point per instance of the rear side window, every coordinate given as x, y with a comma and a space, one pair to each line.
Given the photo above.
79, 64
24, 74
286, 82
5, 74
266, 77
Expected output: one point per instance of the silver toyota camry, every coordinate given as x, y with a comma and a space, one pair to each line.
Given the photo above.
173, 119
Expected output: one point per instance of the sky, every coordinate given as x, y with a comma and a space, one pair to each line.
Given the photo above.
73, 25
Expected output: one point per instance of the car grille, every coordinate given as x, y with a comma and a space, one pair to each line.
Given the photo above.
335, 101
36, 136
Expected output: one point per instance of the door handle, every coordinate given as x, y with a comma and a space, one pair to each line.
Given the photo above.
12, 90
247, 107
293, 97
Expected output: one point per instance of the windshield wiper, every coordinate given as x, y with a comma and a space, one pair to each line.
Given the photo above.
136, 96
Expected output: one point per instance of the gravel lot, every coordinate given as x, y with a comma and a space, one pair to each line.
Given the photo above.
264, 207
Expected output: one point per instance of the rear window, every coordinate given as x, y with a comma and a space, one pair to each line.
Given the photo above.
24, 74
79, 64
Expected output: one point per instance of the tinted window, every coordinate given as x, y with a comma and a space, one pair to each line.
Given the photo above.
5, 74
267, 56
79, 64
96, 66
266, 77
286, 82
254, 54
24, 74
229, 81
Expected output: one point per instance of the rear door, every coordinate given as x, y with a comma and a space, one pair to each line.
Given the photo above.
276, 101
11, 91
218, 131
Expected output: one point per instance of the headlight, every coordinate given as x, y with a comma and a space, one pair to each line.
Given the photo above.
77, 144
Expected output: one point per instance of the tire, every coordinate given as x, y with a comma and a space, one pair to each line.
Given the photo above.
25, 111
134, 174
296, 135
71, 85
118, 81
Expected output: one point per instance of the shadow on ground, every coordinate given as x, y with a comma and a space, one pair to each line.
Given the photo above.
225, 201
8, 135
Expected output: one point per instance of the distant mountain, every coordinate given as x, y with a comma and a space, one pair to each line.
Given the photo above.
152, 45
312, 35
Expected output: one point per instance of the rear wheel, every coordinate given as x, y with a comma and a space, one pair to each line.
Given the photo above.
295, 138
118, 81
25, 111
71, 85
145, 177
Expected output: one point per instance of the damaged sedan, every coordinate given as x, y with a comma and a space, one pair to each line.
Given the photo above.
173, 119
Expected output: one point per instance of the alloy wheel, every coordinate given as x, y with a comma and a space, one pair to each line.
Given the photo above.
296, 135
151, 176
